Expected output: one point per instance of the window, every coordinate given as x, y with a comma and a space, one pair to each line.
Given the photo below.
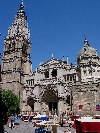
10, 46
70, 78
46, 74
32, 82
74, 77
67, 77
54, 73
90, 72
84, 71
27, 81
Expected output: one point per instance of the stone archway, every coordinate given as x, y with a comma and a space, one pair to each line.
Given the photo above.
50, 101
30, 103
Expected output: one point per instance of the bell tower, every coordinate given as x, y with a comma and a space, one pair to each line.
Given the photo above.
16, 64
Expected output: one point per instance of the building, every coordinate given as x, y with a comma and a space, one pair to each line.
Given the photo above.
56, 85
16, 64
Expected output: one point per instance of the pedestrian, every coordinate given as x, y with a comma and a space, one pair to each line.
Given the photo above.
12, 121
9, 122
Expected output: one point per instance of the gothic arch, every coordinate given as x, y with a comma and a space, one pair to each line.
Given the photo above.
54, 73
50, 100
46, 74
30, 103
49, 95
46, 90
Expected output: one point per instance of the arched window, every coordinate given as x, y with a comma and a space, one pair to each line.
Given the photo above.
67, 77
54, 73
90, 72
46, 74
10, 46
70, 78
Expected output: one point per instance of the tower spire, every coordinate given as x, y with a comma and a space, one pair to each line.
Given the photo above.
21, 9
19, 26
22, 2
52, 56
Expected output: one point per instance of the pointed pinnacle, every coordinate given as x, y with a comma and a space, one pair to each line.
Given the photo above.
22, 2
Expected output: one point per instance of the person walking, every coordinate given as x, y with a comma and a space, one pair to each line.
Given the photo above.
12, 121
9, 122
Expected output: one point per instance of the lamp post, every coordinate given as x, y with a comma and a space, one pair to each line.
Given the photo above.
71, 97
71, 103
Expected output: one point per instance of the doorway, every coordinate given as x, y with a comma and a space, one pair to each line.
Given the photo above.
53, 106
30, 102
51, 99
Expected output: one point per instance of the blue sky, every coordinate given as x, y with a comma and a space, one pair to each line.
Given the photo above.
57, 26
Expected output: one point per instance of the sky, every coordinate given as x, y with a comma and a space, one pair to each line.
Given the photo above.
57, 27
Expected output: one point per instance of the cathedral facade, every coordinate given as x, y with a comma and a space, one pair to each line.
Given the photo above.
56, 85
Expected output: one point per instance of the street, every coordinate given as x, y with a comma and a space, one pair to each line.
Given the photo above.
27, 127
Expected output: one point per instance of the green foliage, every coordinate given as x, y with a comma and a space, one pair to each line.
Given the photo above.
10, 101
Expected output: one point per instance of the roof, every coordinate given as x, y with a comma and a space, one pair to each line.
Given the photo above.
87, 51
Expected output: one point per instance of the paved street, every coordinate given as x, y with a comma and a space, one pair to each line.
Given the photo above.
27, 127
23, 127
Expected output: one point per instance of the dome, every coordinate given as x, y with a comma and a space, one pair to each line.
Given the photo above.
87, 51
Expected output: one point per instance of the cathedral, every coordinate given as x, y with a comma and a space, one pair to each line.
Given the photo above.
56, 85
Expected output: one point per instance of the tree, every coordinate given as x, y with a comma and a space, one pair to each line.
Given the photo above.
10, 101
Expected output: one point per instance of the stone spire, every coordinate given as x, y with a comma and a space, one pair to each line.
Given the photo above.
52, 56
21, 9
63, 59
20, 26
67, 59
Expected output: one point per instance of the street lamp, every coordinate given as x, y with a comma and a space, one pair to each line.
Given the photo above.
71, 97
71, 103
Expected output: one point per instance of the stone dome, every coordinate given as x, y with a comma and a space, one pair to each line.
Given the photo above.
87, 52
